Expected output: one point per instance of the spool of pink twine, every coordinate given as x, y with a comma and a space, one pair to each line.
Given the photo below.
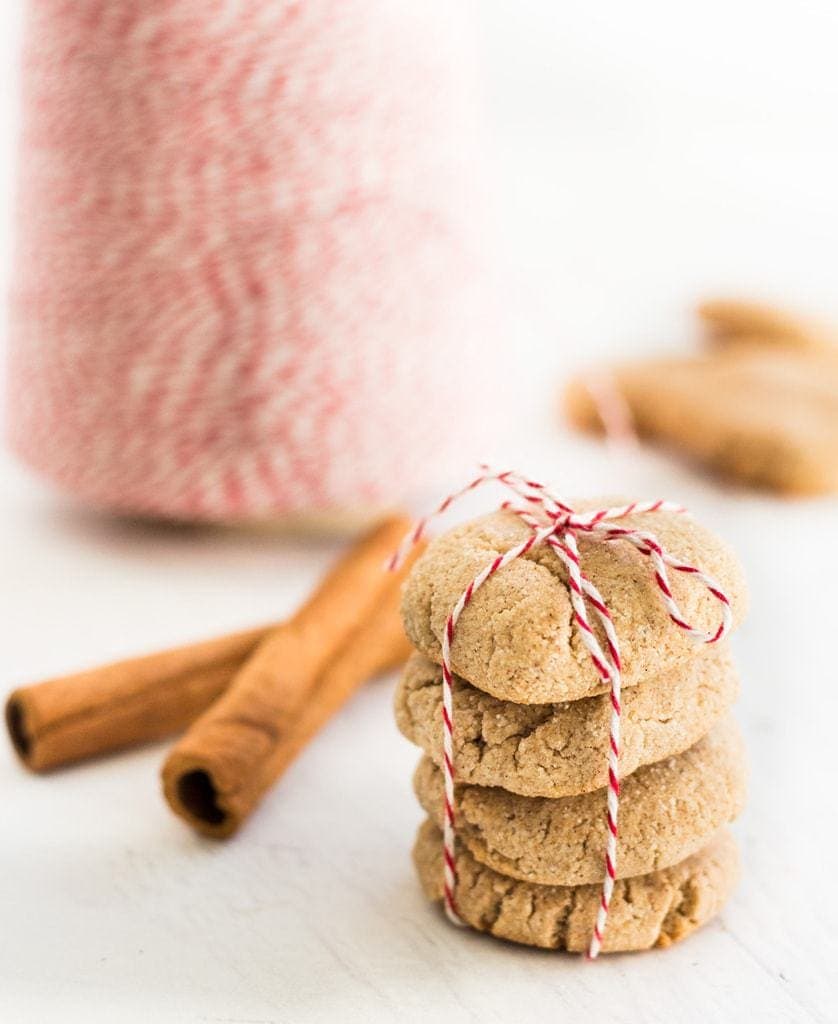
249, 277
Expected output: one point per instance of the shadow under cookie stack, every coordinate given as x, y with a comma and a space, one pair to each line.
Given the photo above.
531, 732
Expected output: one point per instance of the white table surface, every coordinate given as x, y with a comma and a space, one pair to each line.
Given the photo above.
114, 911
641, 162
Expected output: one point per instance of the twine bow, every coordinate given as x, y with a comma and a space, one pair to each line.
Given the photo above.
557, 525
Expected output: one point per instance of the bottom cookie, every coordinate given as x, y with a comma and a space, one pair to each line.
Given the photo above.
648, 910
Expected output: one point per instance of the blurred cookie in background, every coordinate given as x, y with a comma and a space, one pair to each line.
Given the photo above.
760, 407
740, 322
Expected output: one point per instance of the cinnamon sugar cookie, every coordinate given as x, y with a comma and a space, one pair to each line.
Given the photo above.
668, 810
557, 750
517, 639
738, 321
767, 417
648, 910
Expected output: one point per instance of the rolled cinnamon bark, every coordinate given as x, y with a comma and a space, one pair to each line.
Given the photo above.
220, 769
63, 720
379, 646
208, 790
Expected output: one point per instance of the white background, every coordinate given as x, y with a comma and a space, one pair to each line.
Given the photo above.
645, 155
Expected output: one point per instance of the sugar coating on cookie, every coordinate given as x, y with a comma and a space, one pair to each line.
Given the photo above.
656, 909
517, 639
558, 750
668, 810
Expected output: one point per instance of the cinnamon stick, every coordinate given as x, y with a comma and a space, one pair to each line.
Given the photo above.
378, 646
220, 769
70, 718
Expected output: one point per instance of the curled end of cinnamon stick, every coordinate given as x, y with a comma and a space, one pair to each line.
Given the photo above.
298, 676
194, 794
18, 727
197, 792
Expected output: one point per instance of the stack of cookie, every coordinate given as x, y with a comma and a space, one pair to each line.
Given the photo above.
531, 733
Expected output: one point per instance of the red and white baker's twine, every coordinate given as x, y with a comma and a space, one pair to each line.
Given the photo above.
554, 523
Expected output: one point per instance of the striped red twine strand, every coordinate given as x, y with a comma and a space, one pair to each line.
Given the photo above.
554, 523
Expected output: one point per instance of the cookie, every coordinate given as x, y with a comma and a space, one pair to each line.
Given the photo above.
648, 910
517, 639
765, 417
556, 750
668, 810
734, 322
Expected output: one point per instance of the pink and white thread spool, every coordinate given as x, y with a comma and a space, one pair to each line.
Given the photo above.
250, 274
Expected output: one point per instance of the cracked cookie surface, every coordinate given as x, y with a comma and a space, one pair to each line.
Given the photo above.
516, 639
648, 910
557, 750
668, 811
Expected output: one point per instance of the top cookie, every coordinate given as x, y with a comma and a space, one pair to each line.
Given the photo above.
517, 640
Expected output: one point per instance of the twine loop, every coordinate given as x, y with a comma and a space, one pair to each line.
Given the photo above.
554, 523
